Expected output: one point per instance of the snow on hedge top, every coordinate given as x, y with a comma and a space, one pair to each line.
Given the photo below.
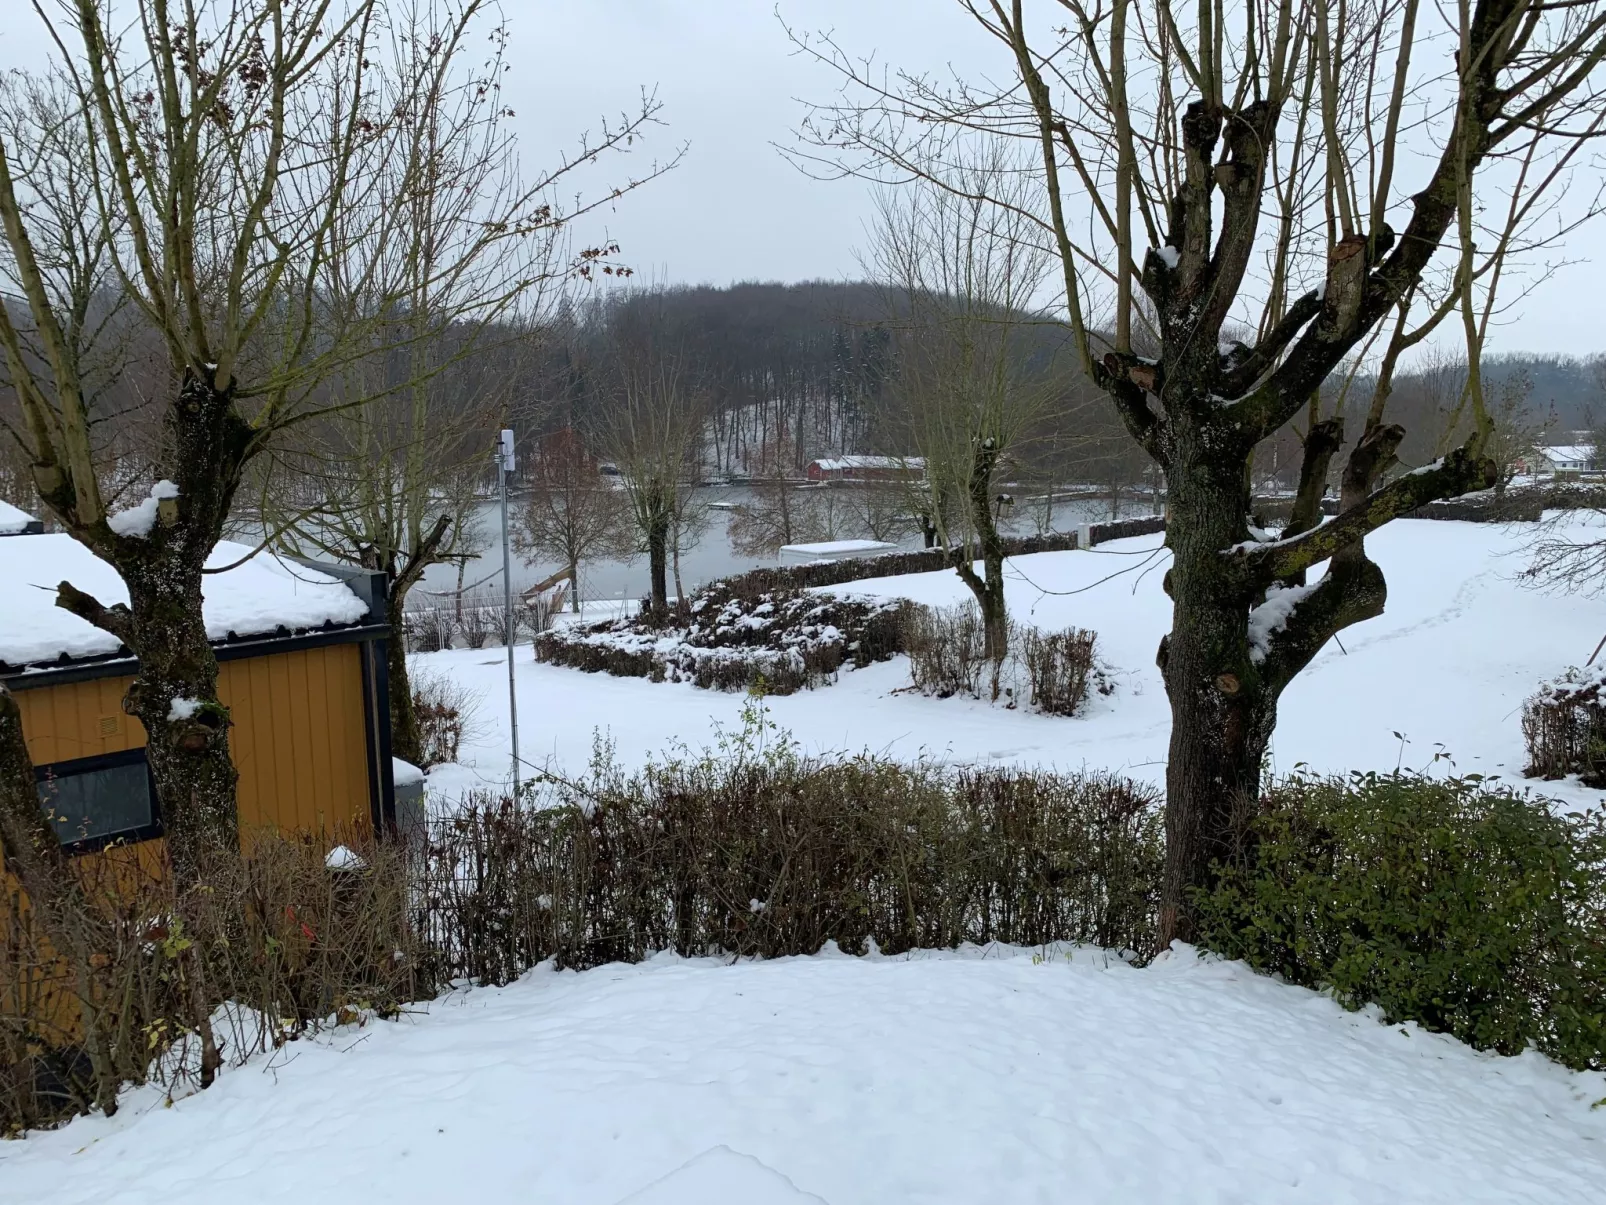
12, 520
255, 598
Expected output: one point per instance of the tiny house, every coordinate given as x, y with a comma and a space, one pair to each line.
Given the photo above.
302, 669
867, 468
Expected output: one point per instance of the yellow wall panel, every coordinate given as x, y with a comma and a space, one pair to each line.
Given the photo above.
299, 737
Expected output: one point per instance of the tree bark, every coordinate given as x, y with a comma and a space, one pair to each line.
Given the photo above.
406, 742
658, 565
187, 745
1222, 712
175, 697
988, 586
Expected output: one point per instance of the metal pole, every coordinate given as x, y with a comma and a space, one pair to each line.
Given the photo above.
504, 466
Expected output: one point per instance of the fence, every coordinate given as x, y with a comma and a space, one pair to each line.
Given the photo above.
475, 620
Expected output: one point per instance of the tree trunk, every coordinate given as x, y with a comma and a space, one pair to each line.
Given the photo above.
574, 585
174, 696
988, 587
406, 742
174, 693
1222, 714
658, 566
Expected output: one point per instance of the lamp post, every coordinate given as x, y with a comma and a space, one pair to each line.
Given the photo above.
504, 466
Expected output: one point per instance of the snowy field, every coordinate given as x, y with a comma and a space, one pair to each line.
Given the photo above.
1447, 667
998, 1076
932, 1080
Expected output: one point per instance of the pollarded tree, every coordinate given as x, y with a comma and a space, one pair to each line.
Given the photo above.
653, 427
236, 150
965, 272
1301, 173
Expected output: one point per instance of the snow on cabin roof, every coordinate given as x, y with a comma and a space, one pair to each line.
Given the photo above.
404, 773
843, 464
837, 548
1569, 453
256, 598
13, 521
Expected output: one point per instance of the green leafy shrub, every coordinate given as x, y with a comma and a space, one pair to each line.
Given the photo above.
1452, 902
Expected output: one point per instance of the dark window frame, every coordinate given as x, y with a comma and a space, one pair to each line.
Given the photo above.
107, 761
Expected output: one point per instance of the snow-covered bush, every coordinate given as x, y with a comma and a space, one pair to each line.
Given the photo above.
444, 710
429, 629
1050, 672
724, 640
1455, 903
1564, 727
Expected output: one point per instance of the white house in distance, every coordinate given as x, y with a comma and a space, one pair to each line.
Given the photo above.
866, 468
1577, 457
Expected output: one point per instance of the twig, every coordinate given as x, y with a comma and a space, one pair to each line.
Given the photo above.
1596, 653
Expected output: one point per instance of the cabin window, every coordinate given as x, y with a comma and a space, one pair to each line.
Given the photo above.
95, 801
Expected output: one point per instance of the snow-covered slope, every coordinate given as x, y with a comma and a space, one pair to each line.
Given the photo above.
1461, 644
937, 1079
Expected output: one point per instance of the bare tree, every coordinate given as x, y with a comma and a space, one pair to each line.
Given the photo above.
880, 509
776, 512
966, 274
235, 150
392, 483
1262, 153
572, 513
653, 430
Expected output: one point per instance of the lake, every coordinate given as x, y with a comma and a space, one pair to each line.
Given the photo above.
712, 557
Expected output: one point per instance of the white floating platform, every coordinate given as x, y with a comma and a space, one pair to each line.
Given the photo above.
833, 550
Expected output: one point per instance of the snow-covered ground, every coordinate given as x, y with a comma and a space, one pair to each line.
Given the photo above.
987, 1076
1001, 1075
1447, 667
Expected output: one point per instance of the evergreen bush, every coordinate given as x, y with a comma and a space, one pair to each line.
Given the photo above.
1456, 903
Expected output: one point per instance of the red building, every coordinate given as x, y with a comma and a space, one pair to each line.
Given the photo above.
867, 468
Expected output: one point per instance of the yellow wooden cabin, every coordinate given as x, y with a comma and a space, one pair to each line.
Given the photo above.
302, 669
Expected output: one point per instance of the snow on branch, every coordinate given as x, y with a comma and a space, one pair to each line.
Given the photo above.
1458, 473
138, 520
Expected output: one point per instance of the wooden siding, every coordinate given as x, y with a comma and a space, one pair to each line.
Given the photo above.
298, 739
299, 742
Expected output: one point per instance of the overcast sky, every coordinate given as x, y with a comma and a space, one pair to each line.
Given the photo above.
730, 86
